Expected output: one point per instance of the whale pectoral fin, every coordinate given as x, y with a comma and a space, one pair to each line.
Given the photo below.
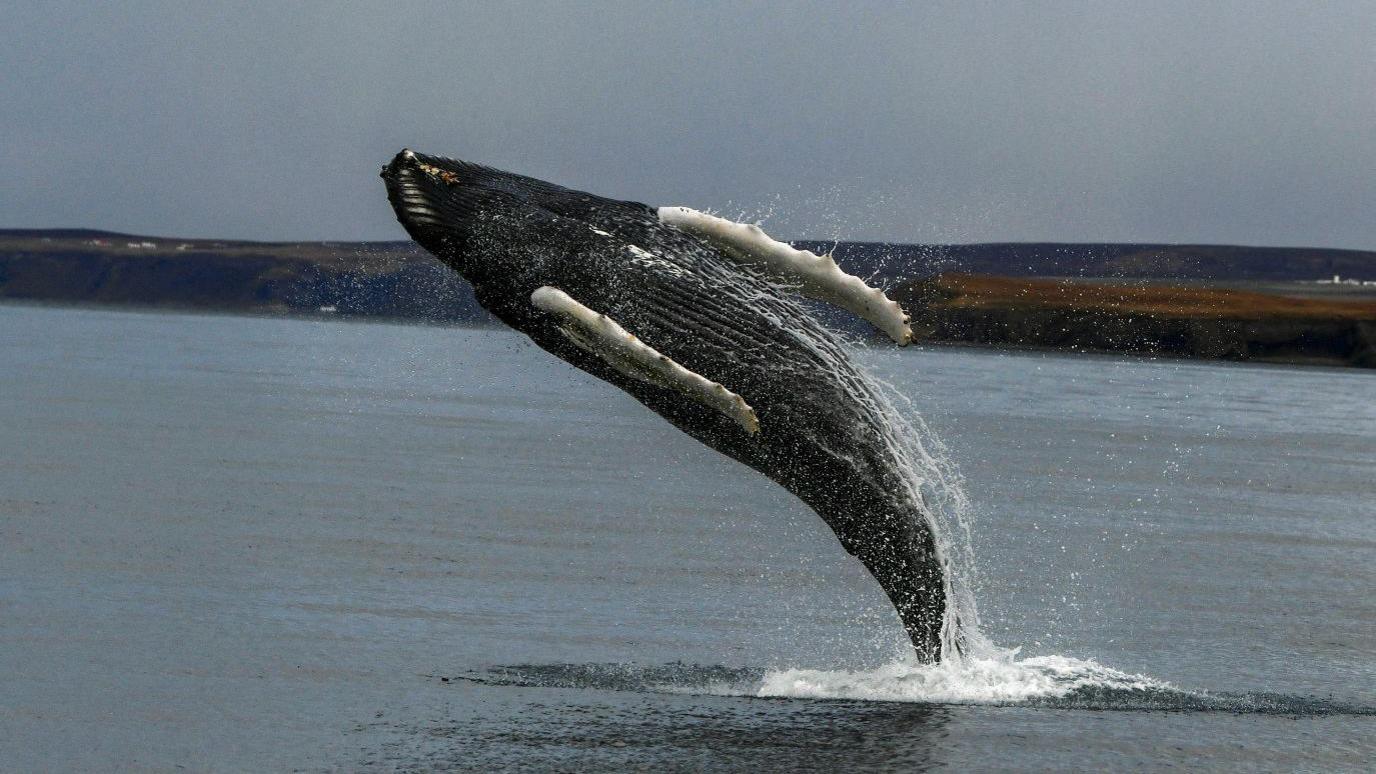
816, 276
602, 336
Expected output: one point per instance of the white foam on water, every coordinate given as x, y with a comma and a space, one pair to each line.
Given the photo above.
965, 681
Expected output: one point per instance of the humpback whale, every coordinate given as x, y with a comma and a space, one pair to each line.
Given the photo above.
699, 319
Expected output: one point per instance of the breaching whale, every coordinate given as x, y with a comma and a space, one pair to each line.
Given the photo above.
697, 318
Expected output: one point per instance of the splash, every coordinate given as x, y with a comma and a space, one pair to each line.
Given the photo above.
933, 480
966, 680
921, 464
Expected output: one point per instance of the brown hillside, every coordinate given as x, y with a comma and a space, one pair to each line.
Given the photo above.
976, 291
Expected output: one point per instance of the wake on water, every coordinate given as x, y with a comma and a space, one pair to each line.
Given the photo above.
1051, 682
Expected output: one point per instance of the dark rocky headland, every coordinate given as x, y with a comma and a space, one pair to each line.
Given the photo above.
1207, 301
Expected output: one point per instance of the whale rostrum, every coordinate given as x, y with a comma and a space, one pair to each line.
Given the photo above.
816, 276
602, 336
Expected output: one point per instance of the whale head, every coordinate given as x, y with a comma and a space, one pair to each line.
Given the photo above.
495, 226
440, 202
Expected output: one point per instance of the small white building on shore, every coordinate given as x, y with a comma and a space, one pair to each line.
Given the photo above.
1338, 280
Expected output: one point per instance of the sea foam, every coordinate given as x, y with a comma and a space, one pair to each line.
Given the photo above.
996, 680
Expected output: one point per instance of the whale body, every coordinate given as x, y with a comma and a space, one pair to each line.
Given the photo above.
699, 320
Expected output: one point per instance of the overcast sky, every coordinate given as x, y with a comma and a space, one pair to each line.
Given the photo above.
1223, 122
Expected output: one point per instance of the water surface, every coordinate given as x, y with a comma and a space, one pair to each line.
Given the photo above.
246, 543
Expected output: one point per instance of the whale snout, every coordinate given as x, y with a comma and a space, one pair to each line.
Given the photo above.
404, 157
434, 197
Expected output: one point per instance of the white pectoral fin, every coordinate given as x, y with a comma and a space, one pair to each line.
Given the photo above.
602, 336
817, 276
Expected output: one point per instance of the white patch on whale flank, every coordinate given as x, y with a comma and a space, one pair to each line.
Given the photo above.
602, 336
817, 276
643, 257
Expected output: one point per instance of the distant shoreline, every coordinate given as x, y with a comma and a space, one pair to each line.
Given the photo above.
871, 339
262, 314
1221, 302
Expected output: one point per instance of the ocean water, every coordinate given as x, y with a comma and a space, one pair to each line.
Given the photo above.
235, 543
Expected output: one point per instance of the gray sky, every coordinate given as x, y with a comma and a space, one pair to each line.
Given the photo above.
1227, 122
